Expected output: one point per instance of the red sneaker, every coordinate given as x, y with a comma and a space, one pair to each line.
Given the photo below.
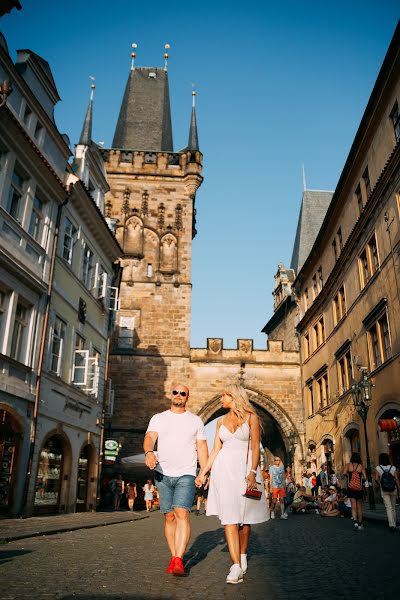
178, 569
170, 568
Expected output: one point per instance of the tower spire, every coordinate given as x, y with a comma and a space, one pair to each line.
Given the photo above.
193, 143
133, 55
166, 56
86, 134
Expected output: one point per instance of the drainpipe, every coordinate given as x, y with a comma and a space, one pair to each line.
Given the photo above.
35, 415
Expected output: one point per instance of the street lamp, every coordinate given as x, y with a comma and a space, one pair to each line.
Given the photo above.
361, 393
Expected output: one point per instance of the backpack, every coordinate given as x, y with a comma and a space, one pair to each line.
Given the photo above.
355, 483
388, 483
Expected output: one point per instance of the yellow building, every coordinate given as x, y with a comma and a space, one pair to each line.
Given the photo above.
348, 289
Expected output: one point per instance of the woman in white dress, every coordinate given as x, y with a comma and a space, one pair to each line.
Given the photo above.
231, 475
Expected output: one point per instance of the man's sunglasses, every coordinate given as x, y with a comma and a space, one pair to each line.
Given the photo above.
178, 392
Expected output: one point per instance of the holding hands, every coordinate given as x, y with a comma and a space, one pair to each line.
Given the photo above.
151, 460
199, 481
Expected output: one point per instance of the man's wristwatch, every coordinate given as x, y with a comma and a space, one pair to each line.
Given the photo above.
146, 453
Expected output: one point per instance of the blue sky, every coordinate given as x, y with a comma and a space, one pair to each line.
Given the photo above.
279, 84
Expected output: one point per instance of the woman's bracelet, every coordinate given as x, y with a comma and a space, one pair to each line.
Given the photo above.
148, 452
253, 471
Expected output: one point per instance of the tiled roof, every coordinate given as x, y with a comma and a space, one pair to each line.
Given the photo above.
144, 121
313, 209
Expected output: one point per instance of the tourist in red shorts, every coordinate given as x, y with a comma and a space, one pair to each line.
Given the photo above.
277, 474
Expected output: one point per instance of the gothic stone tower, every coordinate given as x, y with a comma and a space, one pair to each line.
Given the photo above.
152, 205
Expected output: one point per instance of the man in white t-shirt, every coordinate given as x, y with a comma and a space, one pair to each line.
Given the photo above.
181, 442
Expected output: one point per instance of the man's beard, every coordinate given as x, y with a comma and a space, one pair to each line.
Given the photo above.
178, 403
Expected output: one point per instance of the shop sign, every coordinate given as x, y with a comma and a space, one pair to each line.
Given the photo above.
111, 450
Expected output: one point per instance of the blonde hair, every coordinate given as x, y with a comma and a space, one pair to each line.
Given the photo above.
241, 404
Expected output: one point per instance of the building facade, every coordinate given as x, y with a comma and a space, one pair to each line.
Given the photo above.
58, 289
348, 290
33, 157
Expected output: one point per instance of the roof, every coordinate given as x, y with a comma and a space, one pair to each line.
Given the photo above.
193, 143
86, 133
314, 206
144, 121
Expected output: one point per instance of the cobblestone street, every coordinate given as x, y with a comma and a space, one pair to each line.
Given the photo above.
306, 557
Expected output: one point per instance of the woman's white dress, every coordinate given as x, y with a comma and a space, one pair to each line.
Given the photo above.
228, 483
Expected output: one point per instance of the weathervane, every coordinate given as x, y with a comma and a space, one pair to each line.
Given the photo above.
133, 55
166, 56
93, 86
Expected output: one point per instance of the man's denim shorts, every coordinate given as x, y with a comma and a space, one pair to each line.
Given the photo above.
175, 492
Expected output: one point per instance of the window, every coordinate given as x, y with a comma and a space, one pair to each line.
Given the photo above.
320, 279
339, 306
35, 222
334, 246
27, 116
380, 349
323, 390
38, 131
310, 395
70, 232
20, 324
57, 346
306, 299
368, 261
93, 373
101, 282
2, 307
15, 195
319, 333
307, 345
315, 286
345, 372
87, 266
367, 182
79, 371
340, 238
395, 117
359, 199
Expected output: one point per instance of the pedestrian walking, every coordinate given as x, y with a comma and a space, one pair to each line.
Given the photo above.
117, 488
355, 476
181, 443
386, 475
131, 494
289, 487
277, 474
267, 485
235, 470
148, 489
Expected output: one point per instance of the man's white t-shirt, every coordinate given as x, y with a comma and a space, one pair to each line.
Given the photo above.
177, 436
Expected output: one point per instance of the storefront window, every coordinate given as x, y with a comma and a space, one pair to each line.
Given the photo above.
49, 473
8, 447
83, 467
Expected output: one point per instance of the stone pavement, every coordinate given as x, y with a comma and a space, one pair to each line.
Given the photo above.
17, 529
306, 557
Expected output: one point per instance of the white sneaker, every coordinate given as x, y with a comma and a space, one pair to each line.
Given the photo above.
243, 563
272, 515
284, 516
235, 574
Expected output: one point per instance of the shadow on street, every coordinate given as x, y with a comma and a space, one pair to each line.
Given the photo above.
8, 555
203, 544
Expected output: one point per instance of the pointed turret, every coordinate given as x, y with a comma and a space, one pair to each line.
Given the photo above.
193, 143
86, 134
144, 121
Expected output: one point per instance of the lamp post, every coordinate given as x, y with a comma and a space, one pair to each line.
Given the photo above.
361, 394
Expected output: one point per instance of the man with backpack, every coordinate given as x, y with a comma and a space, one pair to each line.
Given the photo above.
387, 477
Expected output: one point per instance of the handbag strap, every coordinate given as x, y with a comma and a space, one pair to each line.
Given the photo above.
248, 445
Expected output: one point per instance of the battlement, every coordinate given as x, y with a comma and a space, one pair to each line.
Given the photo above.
244, 352
185, 162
